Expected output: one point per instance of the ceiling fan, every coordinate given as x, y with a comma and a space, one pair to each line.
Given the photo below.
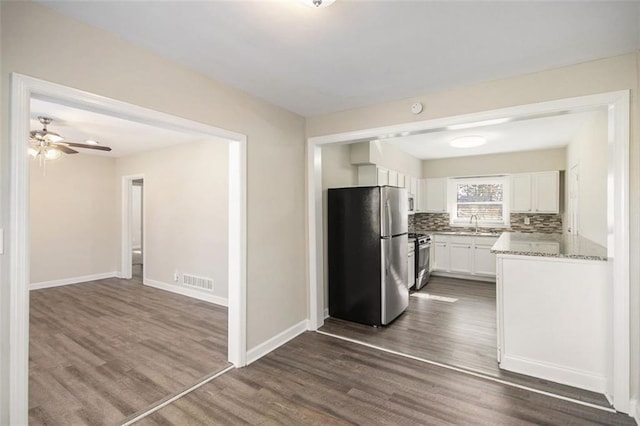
48, 145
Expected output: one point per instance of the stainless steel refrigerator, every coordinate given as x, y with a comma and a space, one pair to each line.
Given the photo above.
367, 251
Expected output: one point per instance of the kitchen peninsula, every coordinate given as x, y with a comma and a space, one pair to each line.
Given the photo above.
553, 306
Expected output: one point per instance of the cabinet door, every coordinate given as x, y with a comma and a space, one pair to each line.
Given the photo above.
521, 195
432, 257
411, 269
484, 262
402, 180
546, 192
383, 177
393, 178
435, 195
413, 186
460, 258
441, 256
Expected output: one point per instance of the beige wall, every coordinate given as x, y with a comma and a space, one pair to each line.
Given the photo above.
605, 75
37, 41
589, 152
512, 162
73, 218
337, 172
185, 210
393, 158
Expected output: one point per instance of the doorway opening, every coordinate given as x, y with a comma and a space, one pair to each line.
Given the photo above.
133, 228
615, 104
137, 227
24, 89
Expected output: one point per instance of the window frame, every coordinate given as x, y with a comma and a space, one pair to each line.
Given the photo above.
452, 201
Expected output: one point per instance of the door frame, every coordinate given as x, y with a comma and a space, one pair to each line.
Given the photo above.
617, 104
23, 88
127, 247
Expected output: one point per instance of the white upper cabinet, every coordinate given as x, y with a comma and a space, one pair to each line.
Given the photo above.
433, 196
383, 177
535, 192
402, 183
393, 178
521, 195
547, 192
413, 185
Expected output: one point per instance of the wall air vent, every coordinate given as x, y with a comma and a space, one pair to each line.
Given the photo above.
200, 283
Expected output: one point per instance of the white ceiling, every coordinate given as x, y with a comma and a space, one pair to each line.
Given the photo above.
527, 135
123, 136
357, 53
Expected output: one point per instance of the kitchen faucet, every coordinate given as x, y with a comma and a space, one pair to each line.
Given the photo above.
471, 221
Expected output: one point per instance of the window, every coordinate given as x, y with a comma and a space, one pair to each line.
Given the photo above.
481, 198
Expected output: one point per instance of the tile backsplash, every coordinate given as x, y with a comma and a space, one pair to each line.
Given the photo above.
544, 223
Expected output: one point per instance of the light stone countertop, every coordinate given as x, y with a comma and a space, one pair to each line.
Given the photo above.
548, 245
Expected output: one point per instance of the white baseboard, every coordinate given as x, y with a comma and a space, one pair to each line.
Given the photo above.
463, 276
276, 341
556, 373
185, 291
73, 280
634, 410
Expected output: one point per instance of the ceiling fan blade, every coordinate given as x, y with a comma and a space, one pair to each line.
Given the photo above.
84, 145
64, 148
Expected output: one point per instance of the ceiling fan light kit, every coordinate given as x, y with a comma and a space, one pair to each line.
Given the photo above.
46, 145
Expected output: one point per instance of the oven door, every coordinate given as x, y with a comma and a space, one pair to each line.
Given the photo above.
422, 264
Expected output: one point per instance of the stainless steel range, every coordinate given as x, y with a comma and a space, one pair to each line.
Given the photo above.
423, 263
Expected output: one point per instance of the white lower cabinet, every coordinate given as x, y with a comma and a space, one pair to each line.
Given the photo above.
464, 255
440, 256
484, 262
460, 255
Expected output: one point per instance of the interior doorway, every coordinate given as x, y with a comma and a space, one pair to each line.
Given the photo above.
617, 104
23, 90
133, 228
574, 200
137, 227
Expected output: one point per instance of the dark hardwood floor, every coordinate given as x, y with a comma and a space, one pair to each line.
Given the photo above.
320, 380
461, 333
103, 350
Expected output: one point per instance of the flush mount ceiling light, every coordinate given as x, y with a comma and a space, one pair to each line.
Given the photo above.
468, 142
317, 3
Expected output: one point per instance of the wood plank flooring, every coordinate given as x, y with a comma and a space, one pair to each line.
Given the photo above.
320, 380
461, 334
101, 351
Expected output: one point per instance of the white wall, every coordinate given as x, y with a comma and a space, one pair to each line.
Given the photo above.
185, 210
41, 43
73, 218
589, 152
394, 158
605, 75
136, 216
511, 162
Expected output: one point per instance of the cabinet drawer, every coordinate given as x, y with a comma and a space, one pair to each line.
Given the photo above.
462, 239
438, 238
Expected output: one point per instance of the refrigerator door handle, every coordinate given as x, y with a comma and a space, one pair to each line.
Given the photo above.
385, 265
389, 221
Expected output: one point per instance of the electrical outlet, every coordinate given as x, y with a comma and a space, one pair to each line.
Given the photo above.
527, 220
176, 276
